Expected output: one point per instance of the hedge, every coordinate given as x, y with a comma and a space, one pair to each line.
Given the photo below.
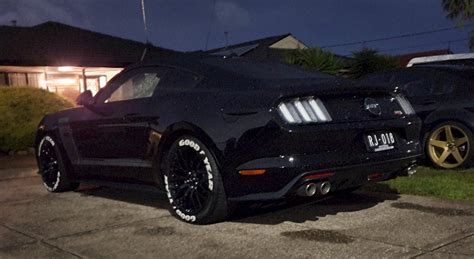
21, 110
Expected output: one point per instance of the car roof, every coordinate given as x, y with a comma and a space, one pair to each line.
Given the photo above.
440, 58
431, 71
230, 68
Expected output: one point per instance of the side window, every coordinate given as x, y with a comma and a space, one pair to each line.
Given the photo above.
420, 88
141, 85
179, 79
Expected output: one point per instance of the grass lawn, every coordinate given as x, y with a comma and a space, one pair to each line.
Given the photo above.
446, 184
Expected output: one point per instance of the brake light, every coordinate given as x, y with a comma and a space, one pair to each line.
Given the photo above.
253, 172
304, 110
405, 104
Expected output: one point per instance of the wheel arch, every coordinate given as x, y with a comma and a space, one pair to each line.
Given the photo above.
460, 116
167, 138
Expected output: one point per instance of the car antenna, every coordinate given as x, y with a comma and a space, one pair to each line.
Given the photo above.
145, 27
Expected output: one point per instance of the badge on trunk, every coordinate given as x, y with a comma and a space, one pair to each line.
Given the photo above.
372, 106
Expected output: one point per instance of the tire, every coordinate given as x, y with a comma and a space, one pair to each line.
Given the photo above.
193, 183
52, 167
450, 145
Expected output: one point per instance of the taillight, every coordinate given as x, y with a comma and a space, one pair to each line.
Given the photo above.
405, 104
303, 110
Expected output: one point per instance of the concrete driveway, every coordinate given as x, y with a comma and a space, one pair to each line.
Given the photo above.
104, 222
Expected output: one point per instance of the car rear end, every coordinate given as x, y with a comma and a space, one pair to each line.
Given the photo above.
325, 139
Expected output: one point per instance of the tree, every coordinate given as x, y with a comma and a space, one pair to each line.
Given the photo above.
460, 11
315, 59
369, 61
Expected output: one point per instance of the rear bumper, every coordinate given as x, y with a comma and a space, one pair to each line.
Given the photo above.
288, 154
285, 181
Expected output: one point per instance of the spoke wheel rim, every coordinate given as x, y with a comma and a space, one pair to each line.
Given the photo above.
188, 181
448, 146
49, 164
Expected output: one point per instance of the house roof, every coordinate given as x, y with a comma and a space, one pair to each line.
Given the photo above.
404, 59
263, 43
57, 44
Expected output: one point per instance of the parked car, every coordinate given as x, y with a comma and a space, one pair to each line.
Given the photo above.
442, 93
212, 132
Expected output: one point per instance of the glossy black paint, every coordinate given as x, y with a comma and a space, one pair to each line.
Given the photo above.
439, 93
234, 115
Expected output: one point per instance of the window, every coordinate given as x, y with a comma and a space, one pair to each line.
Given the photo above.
139, 86
420, 88
179, 79
18, 79
3, 79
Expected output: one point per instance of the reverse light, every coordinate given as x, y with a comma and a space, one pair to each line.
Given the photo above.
405, 104
303, 110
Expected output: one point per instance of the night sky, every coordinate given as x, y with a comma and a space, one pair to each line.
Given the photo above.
185, 24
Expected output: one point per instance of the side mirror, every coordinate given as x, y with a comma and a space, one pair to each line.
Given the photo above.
85, 98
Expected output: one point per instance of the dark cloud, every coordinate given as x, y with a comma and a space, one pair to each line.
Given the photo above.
232, 14
185, 24
32, 12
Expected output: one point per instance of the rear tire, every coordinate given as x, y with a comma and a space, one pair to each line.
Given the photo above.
52, 168
193, 183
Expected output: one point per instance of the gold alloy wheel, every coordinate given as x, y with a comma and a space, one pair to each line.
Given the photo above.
448, 146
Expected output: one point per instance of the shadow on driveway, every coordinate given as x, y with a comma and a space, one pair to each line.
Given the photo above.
293, 209
300, 210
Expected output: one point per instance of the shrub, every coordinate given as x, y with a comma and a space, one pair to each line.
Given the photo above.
315, 59
21, 110
369, 61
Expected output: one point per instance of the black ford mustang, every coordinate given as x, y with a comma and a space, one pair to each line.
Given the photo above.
443, 97
212, 132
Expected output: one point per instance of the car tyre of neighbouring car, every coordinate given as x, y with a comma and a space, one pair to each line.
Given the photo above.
193, 183
450, 145
52, 167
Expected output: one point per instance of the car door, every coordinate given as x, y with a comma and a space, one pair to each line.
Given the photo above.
112, 136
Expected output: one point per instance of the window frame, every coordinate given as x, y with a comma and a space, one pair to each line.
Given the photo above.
120, 79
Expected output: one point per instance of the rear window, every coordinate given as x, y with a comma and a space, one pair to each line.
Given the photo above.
417, 83
263, 70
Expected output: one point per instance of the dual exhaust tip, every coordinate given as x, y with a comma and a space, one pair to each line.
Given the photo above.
310, 189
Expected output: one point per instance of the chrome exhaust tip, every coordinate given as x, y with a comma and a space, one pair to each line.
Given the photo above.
307, 190
409, 171
324, 188
412, 170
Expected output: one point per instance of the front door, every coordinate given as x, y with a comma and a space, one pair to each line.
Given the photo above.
111, 138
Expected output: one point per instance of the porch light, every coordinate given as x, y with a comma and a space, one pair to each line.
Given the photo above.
65, 69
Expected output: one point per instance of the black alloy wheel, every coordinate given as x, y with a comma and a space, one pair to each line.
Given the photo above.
193, 183
51, 167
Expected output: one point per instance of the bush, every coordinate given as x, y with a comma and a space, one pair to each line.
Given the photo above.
21, 110
315, 59
369, 61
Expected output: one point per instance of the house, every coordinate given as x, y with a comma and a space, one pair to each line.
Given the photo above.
271, 48
66, 59
405, 58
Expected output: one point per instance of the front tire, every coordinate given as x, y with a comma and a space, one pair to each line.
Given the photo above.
193, 183
52, 167
450, 145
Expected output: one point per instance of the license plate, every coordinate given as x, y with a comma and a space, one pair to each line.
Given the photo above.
381, 141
